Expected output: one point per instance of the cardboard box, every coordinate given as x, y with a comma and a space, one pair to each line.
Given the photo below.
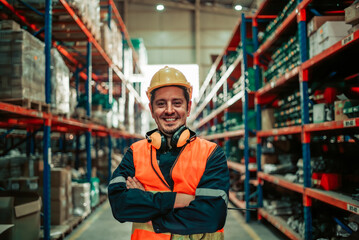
9, 24
332, 29
267, 118
313, 45
352, 14
58, 211
4, 227
338, 110
318, 21
269, 159
23, 184
59, 177
339, 107
353, 29
56, 193
22, 210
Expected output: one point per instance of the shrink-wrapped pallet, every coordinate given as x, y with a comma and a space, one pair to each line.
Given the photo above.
60, 84
22, 66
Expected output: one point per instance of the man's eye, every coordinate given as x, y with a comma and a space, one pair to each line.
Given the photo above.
160, 104
178, 103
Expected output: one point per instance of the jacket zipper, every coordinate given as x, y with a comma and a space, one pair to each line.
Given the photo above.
174, 164
158, 175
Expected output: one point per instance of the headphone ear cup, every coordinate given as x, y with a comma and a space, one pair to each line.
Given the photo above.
156, 140
183, 138
180, 137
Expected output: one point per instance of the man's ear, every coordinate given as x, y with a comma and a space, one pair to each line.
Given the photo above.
189, 106
150, 106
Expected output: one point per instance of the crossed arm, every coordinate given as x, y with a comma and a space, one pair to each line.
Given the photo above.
182, 199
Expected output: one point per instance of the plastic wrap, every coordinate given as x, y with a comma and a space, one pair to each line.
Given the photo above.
22, 66
81, 198
60, 83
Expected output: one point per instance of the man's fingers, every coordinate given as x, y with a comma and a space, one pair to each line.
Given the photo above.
132, 183
138, 183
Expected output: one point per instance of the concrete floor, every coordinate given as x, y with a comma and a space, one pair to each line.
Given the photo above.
101, 225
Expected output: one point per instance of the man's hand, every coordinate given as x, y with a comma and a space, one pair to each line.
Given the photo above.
133, 183
183, 200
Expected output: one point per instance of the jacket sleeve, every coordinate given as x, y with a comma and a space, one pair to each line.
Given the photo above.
207, 213
135, 205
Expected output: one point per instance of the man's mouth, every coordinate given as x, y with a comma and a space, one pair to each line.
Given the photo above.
169, 119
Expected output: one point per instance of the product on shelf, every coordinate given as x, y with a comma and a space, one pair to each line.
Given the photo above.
61, 195
89, 11
81, 198
326, 35
352, 14
284, 59
22, 66
272, 26
60, 84
268, 119
111, 41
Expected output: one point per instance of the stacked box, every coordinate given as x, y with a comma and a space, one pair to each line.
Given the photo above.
326, 35
22, 66
60, 188
81, 198
111, 41
60, 83
90, 14
68, 193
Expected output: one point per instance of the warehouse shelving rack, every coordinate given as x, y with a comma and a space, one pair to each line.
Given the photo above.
87, 63
240, 102
299, 77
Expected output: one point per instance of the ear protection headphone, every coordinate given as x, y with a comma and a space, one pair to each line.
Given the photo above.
158, 140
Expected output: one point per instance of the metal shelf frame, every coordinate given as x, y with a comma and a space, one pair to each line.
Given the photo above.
26, 118
301, 74
242, 101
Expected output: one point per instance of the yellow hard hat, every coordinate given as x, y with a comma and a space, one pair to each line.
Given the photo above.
168, 77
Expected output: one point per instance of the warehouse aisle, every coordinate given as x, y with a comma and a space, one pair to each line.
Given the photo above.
102, 225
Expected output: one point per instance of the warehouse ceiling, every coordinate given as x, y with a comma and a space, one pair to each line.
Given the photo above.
215, 6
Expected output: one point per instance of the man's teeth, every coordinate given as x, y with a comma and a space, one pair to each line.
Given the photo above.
170, 119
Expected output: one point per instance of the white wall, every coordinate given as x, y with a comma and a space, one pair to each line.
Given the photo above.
169, 36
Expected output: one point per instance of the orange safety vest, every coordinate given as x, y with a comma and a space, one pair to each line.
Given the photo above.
190, 162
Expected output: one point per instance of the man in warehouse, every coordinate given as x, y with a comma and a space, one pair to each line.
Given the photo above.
173, 184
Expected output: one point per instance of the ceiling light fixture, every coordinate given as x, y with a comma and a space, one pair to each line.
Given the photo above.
160, 7
238, 7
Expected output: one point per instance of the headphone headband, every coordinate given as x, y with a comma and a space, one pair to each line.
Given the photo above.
159, 141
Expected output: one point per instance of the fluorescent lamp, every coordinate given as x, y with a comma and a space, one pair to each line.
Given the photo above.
238, 7
160, 7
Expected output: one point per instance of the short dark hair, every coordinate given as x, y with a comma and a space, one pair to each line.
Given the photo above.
185, 93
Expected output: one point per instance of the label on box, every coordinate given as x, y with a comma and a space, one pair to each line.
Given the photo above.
348, 39
352, 208
349, 123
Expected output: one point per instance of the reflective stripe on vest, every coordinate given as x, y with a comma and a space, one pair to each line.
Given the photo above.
191, 162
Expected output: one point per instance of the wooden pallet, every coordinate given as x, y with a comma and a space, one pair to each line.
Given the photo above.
61, 231
28, 103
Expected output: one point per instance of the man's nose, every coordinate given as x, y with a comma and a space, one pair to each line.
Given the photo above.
169, 108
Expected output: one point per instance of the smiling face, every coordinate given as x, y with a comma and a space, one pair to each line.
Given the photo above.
170, 109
